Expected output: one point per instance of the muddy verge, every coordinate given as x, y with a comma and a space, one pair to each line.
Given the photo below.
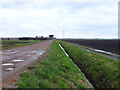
16, 60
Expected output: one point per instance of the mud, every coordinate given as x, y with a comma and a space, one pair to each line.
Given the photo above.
17, 59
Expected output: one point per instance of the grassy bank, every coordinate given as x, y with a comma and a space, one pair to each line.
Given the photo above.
55, 71
102, 71
14, 43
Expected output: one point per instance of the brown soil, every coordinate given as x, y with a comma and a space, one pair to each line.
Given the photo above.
29, 54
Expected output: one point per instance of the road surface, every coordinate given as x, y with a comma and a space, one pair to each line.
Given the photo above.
17, 59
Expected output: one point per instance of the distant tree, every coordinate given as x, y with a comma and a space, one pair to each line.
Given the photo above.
36, 36
51, 36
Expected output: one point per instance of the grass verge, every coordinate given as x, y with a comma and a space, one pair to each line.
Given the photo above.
55, 71
14, 43
103, 72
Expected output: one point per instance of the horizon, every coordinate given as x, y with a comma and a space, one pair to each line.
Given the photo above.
69, 19
59, 38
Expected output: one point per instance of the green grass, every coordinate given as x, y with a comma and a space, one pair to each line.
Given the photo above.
1, 46
31, 42
101, 70
14, 43
55, 71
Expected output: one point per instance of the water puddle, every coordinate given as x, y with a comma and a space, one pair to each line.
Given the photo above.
34, 51
9, 69
14, 52
0, 52
97, 50
7, 64
40, 53
28, 55
63, 50
6, 57
17, 60
9, 50
7, 53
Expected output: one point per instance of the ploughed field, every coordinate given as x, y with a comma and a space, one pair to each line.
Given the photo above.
110, 45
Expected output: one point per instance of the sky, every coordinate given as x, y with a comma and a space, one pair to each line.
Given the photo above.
77, 18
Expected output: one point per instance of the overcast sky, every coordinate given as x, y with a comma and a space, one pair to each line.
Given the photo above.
78, 19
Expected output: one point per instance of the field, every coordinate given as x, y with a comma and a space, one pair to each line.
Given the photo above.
55, 71
13, 43
102, 72
110, 45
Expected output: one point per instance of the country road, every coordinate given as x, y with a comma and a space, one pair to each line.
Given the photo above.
17, 59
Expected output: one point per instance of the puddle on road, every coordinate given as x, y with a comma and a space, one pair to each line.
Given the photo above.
0, 52
17, 60
10, 52
28, 55
97, 50
34, 52
6, 57
39, 54
7, 64
9, 69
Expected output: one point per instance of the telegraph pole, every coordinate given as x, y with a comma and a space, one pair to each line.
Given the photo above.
63, 33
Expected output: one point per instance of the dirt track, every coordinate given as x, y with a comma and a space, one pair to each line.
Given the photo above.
115, 57
19, 58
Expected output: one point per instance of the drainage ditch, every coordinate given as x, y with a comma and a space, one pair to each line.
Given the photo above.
76, 66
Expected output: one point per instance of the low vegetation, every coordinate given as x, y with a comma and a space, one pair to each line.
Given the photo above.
103, 72
55, 71
14, 43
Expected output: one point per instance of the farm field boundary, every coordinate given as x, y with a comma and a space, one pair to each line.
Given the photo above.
55, 71
88, 49
109, 45
6, 44
101, 71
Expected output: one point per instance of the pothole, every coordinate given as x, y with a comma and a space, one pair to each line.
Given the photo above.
7, 64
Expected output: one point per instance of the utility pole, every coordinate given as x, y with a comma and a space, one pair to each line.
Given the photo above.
63, 33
